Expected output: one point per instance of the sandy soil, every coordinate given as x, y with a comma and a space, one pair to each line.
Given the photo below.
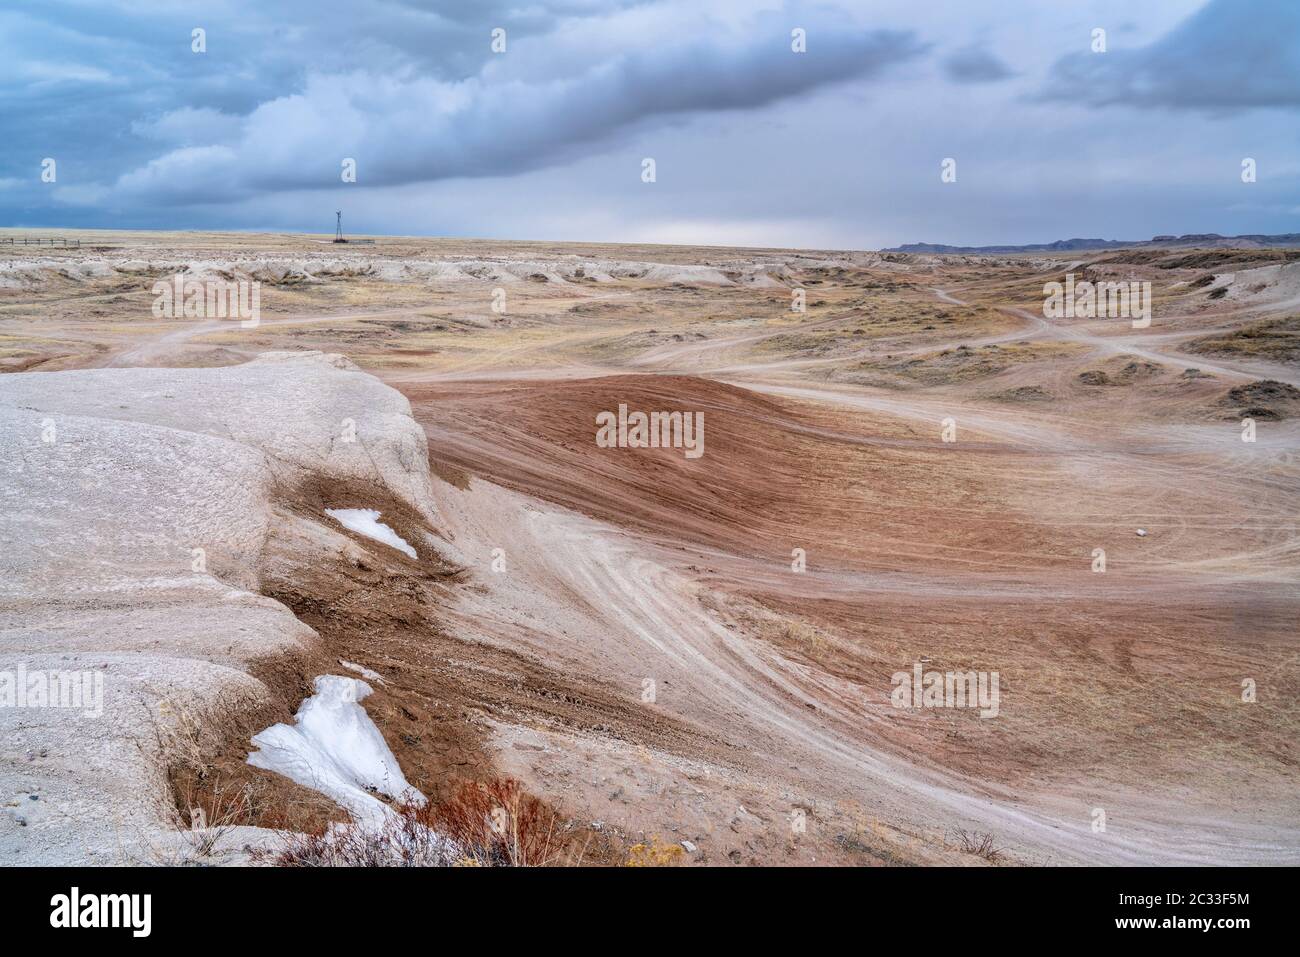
591, 576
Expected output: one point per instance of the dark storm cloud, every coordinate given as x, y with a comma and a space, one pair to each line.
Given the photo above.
86, 84
414, 94
521, 112
1231, 54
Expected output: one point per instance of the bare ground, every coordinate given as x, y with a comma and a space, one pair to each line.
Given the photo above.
770, 737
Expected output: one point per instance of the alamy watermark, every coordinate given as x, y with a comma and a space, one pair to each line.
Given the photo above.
82, 690
651, 430
952, 689
1098, 300
181, 298
75, 909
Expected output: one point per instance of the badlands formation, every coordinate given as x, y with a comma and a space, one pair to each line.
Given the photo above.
905, 468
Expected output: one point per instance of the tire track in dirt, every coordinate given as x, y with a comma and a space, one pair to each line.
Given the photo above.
654, 622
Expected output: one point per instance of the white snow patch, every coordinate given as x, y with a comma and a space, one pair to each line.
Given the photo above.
365, 521
333, 747
363, 671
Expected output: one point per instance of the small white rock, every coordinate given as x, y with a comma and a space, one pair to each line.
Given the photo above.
689, 847
1142, 533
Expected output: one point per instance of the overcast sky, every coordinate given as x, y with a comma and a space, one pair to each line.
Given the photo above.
754, 144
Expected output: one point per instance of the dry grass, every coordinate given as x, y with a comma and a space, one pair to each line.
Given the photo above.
489, 824
406, 839
212, 814
979, 843
497, 824
964, 363
804, 636
654, 854
1275, 339
204, 747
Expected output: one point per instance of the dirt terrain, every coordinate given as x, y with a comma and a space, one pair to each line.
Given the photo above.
917, 469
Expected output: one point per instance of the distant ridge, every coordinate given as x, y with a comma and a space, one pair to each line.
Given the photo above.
1191, 240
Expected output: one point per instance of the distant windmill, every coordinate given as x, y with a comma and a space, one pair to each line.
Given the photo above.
338, 227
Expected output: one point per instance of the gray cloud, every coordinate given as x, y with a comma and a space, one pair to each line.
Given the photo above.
1231, 54
86, 83
190, 126
975, 65
524, 110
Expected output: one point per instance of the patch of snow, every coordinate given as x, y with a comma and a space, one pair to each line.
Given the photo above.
363, 671
365, 521
333, 747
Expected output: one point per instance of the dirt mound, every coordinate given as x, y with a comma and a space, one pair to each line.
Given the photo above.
949, 366
774, 474
1136, 369
1119, 371
1263, 399
1023, 393
542, 437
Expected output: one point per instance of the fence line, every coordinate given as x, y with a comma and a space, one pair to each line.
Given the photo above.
12, 241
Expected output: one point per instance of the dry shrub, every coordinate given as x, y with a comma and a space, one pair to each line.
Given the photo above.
211, 814
496, 824
406, 839
489, 824
979, 843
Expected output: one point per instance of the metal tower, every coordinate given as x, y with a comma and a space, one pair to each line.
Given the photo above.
338, 227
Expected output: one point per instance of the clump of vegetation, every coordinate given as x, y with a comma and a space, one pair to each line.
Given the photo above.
960, 364
405, 839
1130, 372
653, 854
1137, 369
1265, 399
484, 824
979, 843
1024, 393
497, 824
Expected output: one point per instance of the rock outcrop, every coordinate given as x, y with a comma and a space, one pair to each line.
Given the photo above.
134, 508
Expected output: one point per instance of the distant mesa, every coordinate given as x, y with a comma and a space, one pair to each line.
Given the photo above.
1190, 240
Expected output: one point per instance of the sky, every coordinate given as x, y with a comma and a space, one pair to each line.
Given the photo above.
544, 133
